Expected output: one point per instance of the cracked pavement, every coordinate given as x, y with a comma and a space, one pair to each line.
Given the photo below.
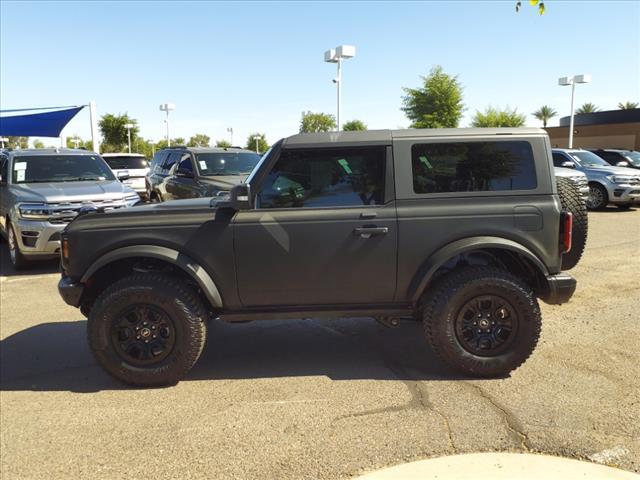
323, 399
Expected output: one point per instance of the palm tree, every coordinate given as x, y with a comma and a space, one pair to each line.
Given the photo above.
544, 113
628, 105
588, 108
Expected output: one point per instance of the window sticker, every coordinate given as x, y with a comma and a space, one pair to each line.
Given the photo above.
20, 175
203, 165
20, 166
344, 164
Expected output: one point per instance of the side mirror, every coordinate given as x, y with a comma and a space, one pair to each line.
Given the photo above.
622, 164
123, 175
239, 198
568, 164
183, 172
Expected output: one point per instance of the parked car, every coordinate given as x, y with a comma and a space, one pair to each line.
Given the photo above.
417, 224
42, 190
619, 158
579, 178
131, 167
181, 172
607, 184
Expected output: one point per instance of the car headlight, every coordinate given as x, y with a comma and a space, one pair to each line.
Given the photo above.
34, 211
620, 178
131, 199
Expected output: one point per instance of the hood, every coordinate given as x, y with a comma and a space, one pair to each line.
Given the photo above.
611, 170
57, 192
224, 182
567, 172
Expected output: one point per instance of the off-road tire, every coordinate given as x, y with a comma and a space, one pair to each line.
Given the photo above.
602, 204
17, 259
572, 201
444, 302
165, 293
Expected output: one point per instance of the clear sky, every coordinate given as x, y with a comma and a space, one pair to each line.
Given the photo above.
255, 66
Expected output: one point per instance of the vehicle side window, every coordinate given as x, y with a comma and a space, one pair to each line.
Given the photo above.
4, 169
328, 177
559, 159
171, 160
185, 162
611, 157
158, 160
473, 167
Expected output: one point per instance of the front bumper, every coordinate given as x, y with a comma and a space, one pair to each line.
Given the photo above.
70, 292
560, 288
38, 239
624, 193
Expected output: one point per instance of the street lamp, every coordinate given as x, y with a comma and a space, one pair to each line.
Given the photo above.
257, 139
566, 81
129, 126
230, 130
167, 107
336, 55
153, 148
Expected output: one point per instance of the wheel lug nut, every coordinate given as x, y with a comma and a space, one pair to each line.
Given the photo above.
155, 336
146, 341
479, 315
153, 328
138, 337
479, 331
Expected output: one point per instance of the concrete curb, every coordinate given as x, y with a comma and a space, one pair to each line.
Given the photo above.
499, 466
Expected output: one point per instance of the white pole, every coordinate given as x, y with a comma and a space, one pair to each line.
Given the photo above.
129, 137
573, 89
339, 91
94, 126
168, 138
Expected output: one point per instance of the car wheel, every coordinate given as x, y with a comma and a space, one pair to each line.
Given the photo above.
16, 257
147, 329
598, 197
572, 201
482, 321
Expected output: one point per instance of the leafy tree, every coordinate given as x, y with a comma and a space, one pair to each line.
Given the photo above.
16, 142
354, 125
493, 117
317, 122
628, 105
534, 3
544, 114
263, 145
161, 144
38, 144
114, 131
199, 140
437, 104
588, 108
177, 142
223, 143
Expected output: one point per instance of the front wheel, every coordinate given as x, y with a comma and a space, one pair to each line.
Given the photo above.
147, 329
482, 321
598, 197
18, 260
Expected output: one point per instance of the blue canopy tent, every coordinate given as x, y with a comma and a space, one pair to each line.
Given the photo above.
44, 124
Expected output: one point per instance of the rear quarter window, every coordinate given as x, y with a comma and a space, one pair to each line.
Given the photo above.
473, 167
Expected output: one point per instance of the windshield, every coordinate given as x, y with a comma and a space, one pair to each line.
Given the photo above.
633, 157
588, 159
59, 168
125, 161
226, 163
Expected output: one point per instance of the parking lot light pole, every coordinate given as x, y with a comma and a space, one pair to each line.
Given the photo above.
566, 81
167, 107
129, 126
230, 130
336, 55
257, 139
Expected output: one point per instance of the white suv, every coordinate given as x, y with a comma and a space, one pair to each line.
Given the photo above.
130, 168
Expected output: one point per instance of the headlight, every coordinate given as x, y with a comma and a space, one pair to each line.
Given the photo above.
132, 199
620, 178
34, 211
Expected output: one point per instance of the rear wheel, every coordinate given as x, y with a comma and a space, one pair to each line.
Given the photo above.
482, 321
572, 201
147, 329
598, 197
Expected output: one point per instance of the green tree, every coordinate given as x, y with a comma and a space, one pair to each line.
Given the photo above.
263, 145
437, 104
161, 144
544, 114
354, 125
199, 140
493, 117
534, 3
178, 142
16, 142
588, 108
38, 144
114, 131
628, 105
223, 143
317, 122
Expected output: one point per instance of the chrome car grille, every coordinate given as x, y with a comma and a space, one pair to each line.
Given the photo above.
64, 212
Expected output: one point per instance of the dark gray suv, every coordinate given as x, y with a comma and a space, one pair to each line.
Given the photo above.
462, 230
182, 172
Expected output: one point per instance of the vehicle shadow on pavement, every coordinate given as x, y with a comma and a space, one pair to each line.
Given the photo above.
36, 268
56, 357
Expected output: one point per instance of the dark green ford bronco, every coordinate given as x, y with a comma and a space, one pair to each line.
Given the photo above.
461, 229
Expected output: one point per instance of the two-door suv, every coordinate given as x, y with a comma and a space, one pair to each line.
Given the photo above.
461, 229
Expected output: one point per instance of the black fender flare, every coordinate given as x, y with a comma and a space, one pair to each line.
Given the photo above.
440, 257
174, 257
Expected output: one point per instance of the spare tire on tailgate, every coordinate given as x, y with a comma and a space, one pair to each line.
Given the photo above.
572, 201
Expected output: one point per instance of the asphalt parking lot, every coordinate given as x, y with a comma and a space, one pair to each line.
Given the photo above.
323, 398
